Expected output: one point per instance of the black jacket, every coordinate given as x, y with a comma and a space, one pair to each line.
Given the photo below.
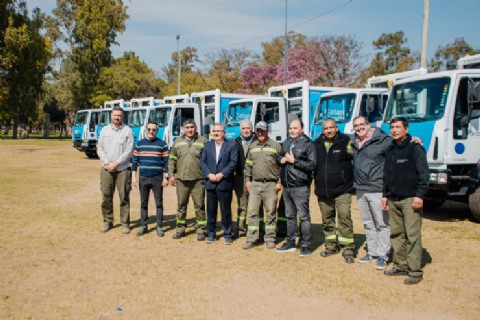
334, 172
300, 172
406, 170
241, 154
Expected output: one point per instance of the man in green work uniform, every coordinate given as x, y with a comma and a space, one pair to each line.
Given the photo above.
262, 181
334, 189
185, 172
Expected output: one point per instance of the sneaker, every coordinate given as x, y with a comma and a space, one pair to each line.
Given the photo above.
270, 245
328, 252
413, 280
160, 232
349, 258
178, 235
143, 230
367, 258
305, 252
228, 241
381, 263
125, 229
286, 247
106, 227
395, 272
210, 239
201, 237
247, 245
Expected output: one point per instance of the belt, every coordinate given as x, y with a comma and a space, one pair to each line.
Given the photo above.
397, 198
265, 180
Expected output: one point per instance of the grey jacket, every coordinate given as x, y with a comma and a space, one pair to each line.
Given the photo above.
369, 162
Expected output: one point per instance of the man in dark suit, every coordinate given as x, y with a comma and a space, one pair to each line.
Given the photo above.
219, 160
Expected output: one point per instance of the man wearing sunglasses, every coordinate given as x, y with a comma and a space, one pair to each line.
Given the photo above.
150, 155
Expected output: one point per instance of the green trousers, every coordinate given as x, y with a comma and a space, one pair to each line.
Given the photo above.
343, 234
122, 181
195, 189
262, 192
406, 236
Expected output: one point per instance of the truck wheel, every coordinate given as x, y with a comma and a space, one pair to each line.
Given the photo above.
474, 204
91, 155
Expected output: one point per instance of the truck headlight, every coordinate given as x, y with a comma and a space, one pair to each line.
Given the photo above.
439, 178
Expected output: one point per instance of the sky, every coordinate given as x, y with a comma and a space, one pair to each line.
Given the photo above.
211, 25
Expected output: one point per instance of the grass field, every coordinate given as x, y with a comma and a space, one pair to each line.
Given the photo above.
57, 265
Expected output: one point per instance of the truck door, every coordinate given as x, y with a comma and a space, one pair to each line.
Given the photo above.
466, 122
179, 115
273, 113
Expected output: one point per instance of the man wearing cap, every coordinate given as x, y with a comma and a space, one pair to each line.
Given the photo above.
262, 181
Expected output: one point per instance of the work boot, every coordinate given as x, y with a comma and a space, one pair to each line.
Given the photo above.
413, 280
248, 245
125, 229
106, 227
328, 252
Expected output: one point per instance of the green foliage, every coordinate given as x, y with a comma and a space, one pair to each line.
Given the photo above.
446, 57
273, 51
89, 28
25, 54
127, 78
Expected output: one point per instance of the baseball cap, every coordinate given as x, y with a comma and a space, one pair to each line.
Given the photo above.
262, 125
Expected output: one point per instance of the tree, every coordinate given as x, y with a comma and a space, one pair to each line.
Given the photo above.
446, 57
89, 28
54, 115
223, 68
126, 78
393, 56
188, 58
25, 54
273, 51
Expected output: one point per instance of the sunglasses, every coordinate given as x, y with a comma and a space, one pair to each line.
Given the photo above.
150, 129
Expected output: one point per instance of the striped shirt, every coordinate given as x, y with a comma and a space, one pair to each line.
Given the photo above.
151, 156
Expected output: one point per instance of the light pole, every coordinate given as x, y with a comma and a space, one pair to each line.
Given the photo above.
423, 55
286, 46
178, 63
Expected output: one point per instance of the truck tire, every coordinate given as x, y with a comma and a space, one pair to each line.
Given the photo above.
90, 154
474, 204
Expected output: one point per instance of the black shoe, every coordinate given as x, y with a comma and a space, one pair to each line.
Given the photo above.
286, 247
228, 241
395, 272
143, 230
160, 232
106, 227
413, 280
200, 237
328, 253
305, 252
178, 235
349, 258
210, 240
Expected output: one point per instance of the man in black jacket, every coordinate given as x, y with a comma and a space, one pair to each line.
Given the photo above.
298, 161
334, 188
405, 184
243, 143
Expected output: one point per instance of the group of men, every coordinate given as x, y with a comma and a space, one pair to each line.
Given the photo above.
389, 174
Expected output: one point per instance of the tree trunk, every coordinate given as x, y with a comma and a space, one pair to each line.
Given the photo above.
46, 133
15, 127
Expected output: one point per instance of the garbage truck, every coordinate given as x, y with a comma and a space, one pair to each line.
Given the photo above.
443, 109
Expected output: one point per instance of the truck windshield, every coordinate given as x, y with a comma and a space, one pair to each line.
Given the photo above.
421, 100
237, 112
80, 118
338, 107
136, 118
160, 116
105, 117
